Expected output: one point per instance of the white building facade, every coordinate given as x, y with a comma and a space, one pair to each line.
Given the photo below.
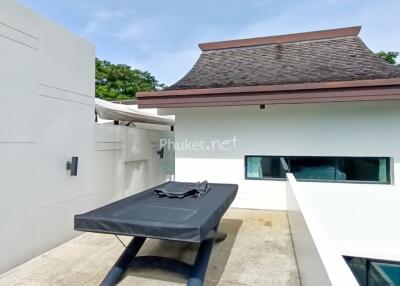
314, 130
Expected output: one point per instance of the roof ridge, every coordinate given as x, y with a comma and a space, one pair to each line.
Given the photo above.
280, 39
277, 44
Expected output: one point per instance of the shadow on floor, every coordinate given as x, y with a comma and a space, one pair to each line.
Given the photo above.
187, 252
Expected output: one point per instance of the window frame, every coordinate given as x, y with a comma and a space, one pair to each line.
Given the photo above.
260, 179
389, 173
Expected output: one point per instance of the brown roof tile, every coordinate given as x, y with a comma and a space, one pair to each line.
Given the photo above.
344, 58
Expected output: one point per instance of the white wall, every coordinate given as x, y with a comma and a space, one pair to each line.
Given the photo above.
364, 222
46, 115
126, 161
337, 129
318, 259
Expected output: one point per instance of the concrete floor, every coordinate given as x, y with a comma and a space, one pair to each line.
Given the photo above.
257, 251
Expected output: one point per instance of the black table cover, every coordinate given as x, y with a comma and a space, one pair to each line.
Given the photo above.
148, 215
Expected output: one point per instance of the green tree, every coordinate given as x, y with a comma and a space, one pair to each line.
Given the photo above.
390, 57
119, 82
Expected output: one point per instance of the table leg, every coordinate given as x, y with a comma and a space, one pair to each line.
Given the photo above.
199, 270
116, 273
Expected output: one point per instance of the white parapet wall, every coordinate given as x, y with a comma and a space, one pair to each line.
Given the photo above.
318, 257
364, 222
47, 116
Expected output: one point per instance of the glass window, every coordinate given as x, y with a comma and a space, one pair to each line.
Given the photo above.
363, 169
359, 268
313, 168
330, 169
370, 272
264, 167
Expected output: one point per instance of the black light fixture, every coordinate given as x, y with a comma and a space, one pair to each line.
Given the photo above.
161, 152
262, 106
73, 166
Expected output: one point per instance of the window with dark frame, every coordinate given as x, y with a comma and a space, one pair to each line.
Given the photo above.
320, 169
369, 272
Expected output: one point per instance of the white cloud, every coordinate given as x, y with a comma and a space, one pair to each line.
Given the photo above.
99, 18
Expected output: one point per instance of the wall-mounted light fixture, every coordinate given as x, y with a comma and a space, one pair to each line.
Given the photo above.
262, 106
161, 152
73, 166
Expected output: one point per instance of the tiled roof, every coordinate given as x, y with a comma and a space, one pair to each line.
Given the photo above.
313, 67
343, 58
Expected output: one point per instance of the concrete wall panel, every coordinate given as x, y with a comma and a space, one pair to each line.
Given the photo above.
18, 189
127, 161
18, 86
19, 18
66, 60
46, 115
66, 130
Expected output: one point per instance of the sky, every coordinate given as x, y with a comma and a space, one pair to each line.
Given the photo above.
162, 36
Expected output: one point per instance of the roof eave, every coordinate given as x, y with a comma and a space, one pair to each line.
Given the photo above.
360, 90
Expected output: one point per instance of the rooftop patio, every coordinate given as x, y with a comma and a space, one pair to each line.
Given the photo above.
257, 251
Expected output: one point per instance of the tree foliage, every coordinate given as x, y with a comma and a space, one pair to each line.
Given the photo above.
390, 57
119, 81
